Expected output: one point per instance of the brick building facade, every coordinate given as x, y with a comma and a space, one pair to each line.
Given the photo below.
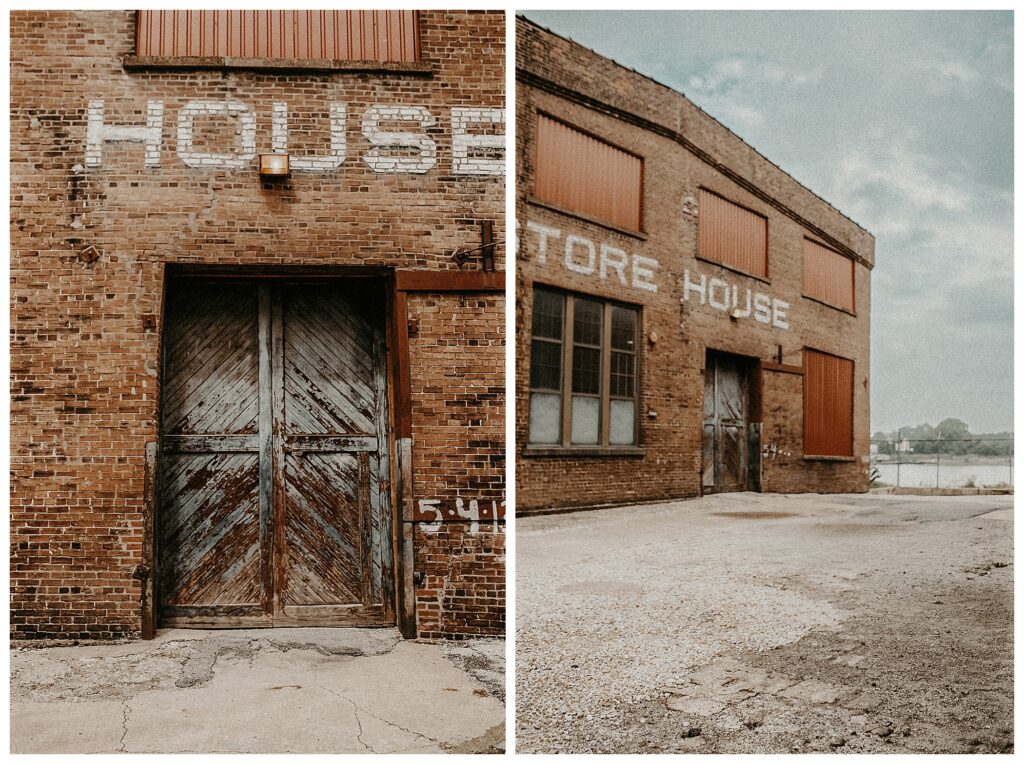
692, 319
240, 400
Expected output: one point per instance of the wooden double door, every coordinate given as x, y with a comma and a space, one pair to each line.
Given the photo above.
727, 438
274, 499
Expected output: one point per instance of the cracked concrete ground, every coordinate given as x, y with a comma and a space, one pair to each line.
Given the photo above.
754, 623
259, 691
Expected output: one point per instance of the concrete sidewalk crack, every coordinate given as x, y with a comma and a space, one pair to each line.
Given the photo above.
403, 729
355, 713
126, 713
356, 709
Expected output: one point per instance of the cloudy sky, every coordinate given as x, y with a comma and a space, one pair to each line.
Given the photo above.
904, 121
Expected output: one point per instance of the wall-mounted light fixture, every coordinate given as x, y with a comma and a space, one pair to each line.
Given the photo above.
274, 166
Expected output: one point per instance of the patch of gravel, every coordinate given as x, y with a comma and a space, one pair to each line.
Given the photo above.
616, 607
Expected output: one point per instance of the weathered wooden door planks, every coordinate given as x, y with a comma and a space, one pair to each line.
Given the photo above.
335, 534
274, 492
726, 404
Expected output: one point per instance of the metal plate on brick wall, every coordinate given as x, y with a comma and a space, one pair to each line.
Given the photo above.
274, 478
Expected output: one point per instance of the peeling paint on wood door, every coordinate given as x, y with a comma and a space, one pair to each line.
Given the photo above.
274, 504
725, 442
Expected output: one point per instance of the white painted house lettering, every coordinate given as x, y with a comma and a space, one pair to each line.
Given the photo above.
383, 161
393, 151
339, 147
729, 298
245, 151
97, 132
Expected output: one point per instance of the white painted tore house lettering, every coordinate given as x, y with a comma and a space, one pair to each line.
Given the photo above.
579, 254
598, 259
473, 153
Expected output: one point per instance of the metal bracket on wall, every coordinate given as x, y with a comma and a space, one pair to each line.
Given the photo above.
486, 248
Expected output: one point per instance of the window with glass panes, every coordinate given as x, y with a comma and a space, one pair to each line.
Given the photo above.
583, 371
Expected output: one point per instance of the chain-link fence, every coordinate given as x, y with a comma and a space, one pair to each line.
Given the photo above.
963, 462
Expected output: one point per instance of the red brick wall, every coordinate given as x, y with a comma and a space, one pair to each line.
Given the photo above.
458, 425
458, 410
84, 366
595, 94
462, 590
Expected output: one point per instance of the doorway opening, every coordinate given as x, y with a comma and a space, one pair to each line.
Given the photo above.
274, 503
731, 443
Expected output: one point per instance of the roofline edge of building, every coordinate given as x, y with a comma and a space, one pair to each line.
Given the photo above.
698, 152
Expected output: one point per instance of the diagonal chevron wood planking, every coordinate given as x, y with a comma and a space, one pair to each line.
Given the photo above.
274, 489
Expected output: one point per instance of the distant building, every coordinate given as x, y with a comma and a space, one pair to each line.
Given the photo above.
690, 318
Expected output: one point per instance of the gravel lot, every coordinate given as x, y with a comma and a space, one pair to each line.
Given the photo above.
751, 623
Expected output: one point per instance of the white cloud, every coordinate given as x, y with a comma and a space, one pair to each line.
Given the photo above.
732, 112
726, 88
998, 62
900, 173
992, 67
960, 71
750, 74
725, 71
944, 253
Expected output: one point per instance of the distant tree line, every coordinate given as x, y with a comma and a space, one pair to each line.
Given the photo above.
950, 436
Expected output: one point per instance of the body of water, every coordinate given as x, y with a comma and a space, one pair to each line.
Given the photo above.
950, 475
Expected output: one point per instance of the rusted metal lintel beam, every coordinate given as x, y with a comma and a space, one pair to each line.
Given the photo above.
450, 281
783, 368
273, 271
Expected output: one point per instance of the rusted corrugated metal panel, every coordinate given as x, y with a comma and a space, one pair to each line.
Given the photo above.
732, 235
828, 405
330, 35
584, 174
828, 276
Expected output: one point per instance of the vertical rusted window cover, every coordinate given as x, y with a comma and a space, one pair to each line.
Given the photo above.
828, 405
732, 235
312, 35
828, 276
580, 173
